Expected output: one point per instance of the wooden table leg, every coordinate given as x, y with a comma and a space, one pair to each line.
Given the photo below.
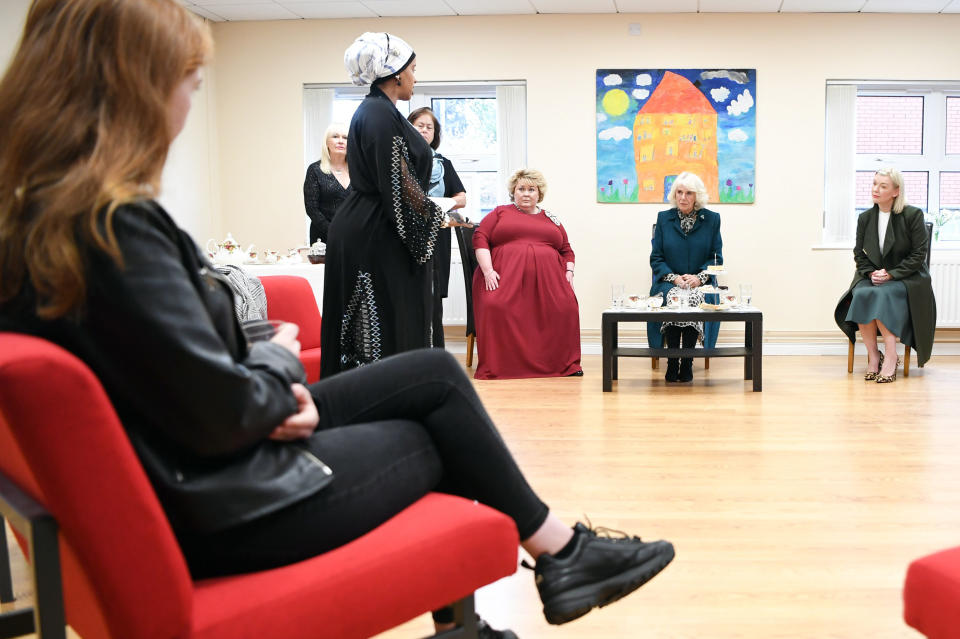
748, 343
757, 331
615, 341
606, 354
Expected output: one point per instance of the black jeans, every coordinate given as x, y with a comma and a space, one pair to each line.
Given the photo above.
391, 431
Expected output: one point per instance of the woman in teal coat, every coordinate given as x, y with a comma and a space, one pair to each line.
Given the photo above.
891, 290
686, 240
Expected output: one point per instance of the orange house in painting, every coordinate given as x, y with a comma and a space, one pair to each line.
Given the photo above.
675, 131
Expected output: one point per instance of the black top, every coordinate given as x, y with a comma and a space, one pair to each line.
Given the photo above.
322, 194
451, 186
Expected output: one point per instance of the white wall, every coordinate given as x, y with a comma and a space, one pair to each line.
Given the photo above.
190, 189
261, 68
12, 16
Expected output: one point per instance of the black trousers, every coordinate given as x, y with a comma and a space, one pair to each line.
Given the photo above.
391, 431
440, 279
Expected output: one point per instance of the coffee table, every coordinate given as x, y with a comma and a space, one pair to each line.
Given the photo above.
751, 351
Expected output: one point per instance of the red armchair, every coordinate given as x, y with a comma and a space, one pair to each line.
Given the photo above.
931, 595
65, 461
291, 299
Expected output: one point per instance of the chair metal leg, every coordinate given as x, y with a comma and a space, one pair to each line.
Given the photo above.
465, 618
906, 361
29, 517
6, 581
850, 358
470, 339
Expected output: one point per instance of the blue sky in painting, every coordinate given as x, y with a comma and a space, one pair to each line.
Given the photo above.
732, 92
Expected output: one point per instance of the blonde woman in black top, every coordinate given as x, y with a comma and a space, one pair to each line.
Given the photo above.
326, 183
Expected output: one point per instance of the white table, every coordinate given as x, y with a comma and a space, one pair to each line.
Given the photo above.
313, 273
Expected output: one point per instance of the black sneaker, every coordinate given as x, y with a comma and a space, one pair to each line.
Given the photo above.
484, 631
599, 571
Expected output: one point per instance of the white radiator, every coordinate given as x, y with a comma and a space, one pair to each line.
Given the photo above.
455, 306
945, 273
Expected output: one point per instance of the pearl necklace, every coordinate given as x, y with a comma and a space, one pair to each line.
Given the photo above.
536, 209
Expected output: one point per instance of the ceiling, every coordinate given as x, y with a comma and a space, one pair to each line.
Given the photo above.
228, 10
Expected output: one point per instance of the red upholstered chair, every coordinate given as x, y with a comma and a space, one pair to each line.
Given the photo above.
931, 595
65, 461
291, 299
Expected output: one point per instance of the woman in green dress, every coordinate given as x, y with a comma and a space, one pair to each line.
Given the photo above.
891, 293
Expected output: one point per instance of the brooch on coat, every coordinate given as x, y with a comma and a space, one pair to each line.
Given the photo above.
553, 218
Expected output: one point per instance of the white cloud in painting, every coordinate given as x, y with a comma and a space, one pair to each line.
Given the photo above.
617, 133
737, 135
737, 76
644, 80
612, 80
640, 94
720, 94
742, 104
601, 117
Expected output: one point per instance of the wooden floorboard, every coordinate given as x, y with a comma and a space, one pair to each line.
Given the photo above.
794, 511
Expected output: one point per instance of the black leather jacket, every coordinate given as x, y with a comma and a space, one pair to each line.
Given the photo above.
161, 335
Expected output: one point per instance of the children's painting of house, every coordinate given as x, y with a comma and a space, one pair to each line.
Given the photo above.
653, 124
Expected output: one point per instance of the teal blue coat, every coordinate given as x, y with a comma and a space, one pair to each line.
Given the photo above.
673, 252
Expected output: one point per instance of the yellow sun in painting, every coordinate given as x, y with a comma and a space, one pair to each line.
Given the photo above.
616, 101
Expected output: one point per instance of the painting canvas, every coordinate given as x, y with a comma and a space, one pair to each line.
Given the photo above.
653, 124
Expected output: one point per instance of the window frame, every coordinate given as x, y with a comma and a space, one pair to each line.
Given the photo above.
933, 160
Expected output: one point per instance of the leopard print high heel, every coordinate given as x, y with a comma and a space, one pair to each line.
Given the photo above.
886, 379
870, 376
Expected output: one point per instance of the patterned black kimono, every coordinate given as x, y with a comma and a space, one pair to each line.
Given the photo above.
377, 284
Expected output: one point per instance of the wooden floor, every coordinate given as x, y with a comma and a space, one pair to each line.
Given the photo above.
794, 511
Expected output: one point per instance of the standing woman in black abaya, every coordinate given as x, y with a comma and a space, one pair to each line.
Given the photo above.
377, 288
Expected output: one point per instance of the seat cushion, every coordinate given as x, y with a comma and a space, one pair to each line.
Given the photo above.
437, 551
931, 595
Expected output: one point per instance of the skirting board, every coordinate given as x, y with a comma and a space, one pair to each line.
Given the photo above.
946, 342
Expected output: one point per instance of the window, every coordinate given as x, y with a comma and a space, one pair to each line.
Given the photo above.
914, 127
483, 130
469, 140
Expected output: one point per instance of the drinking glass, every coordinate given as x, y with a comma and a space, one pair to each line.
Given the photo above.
728, 297
674, 301
684, 299
616, 296
746, 294
260, 330
655, 301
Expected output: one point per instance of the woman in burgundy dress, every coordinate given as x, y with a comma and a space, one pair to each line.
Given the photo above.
525, 309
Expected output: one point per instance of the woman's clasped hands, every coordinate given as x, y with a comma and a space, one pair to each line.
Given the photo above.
303, 422
880, 276
688, 281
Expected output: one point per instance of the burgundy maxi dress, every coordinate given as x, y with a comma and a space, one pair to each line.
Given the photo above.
530, 325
